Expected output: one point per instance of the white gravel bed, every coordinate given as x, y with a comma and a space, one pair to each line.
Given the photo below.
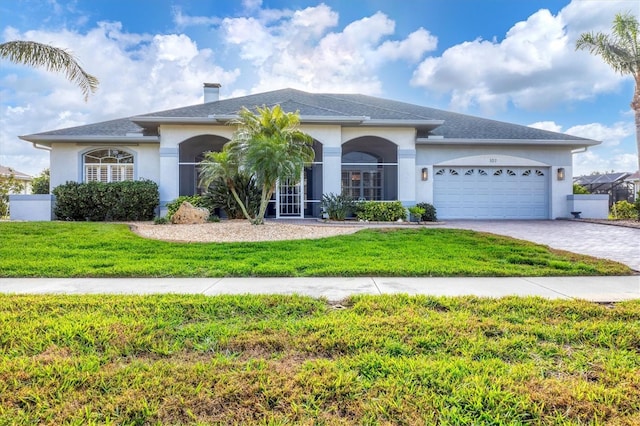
239, 231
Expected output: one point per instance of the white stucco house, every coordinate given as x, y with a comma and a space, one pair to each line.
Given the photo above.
368, 147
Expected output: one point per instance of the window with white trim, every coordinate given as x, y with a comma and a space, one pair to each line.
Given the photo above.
107, 165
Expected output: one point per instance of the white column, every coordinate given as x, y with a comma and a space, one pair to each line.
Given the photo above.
169, 176
332, 170
406, 176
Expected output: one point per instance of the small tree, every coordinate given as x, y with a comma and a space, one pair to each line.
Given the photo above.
8, 185
40, 183
268, 146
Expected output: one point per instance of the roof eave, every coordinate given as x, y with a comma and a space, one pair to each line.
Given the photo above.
47, 140
522, 142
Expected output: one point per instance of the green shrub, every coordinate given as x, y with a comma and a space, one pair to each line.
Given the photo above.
637, 204
429, 214
579, 189
97, 201
160, 220
623, 210
416, 213
337, 206
381, 211
220, 196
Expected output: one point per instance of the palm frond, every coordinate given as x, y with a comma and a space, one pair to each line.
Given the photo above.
51, 58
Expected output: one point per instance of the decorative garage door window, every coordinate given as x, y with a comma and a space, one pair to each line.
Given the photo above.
108, 165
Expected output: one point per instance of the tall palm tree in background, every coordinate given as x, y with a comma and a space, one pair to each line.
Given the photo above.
621, 50
51, 58
268, 146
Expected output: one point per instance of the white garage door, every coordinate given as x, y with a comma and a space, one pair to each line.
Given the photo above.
491, 192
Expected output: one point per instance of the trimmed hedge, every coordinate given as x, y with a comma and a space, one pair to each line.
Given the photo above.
429, 214
97, 201
381, 211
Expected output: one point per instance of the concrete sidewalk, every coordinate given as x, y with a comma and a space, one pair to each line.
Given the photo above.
597, 289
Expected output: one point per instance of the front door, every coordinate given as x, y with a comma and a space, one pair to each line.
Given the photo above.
290, 199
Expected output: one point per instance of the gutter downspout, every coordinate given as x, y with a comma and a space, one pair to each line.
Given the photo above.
36, 146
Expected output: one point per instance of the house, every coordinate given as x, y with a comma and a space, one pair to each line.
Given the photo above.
634, 180
23, 179
368, 147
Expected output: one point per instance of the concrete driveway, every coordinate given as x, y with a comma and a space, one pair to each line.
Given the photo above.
604, 241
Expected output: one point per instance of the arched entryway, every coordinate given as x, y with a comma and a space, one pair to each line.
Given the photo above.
370, 169
191, 152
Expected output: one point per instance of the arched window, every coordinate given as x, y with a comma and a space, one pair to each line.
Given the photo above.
107, 165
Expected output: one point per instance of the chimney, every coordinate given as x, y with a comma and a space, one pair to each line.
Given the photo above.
211, 92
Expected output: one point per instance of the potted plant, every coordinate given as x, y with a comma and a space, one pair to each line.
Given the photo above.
416, 213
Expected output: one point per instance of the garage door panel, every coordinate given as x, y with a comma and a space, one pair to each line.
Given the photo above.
491, 192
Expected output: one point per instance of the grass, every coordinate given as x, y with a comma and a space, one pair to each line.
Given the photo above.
284, 360
59, 249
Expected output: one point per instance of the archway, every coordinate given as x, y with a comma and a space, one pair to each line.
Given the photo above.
370, 169
191, 152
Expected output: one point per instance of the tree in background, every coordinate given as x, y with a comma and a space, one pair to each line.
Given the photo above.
40, 183
8, 185
621, 50
267, 145
51, 58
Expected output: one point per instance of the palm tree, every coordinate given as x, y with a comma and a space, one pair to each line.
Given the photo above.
52, 58
621, 50
268, 146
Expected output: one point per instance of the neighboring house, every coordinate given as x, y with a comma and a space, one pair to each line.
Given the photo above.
617, 185
634, 179
367, 147
23, 178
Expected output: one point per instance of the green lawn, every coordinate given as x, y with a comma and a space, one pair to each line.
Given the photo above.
62, 249
285, 360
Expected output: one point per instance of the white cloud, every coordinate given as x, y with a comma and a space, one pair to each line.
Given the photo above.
533, 67
298, 50
138, 73
585, 163
600, 158
182, 21
547, 125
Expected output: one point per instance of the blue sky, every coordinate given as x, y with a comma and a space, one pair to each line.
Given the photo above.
508, 60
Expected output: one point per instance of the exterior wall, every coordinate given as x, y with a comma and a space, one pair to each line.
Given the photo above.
66, 161
590, 206
429, 156
404, 139
36, 207
330, 136
169, 171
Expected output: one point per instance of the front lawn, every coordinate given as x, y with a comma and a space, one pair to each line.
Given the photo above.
61, 249
284, 360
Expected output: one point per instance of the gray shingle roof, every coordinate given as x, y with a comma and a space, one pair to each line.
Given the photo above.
456, 126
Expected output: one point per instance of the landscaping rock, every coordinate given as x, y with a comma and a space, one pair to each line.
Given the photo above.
188, 214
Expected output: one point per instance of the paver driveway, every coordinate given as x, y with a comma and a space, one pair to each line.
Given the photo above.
604, 241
